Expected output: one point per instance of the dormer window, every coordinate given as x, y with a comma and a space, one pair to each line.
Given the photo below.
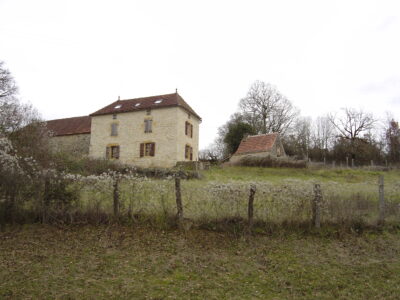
117, 106
158, 101
137, 104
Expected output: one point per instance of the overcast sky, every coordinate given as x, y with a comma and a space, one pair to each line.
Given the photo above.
71, 58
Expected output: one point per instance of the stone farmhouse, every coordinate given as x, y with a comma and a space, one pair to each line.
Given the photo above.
156, 131
259, 146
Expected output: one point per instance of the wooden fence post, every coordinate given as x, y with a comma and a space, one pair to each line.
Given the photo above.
381, 201
179, 200
116, 197
316, 206
250, 212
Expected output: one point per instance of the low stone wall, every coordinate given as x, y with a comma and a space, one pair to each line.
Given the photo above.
77, 144
193, 165
236, 158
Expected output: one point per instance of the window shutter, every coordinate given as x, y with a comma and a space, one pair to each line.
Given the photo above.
107, 152
191, 130
150, 122
191, 153
141, 150
117, 152
152, 149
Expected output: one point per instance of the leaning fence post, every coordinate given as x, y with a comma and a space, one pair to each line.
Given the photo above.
316, 206
250, 212
381, 200
116, 197
179, 200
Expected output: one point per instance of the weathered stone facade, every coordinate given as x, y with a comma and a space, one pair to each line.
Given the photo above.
76, 145
168, 135
155, 131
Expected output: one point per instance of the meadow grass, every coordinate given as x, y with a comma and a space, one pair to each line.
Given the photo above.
119, 262
147, 258
340, 175
283, 197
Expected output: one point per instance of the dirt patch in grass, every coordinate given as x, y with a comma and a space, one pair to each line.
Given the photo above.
123, 262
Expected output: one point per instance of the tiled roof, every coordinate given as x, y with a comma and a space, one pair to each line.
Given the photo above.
152, 102
257, 143
68, 126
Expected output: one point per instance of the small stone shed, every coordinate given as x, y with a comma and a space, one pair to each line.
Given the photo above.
259, 146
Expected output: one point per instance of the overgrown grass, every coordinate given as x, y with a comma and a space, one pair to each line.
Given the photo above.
283, 198
219, 200
41, 262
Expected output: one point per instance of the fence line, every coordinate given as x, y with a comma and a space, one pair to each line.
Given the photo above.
286, 203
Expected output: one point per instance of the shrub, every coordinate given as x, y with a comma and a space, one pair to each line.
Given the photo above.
271, 162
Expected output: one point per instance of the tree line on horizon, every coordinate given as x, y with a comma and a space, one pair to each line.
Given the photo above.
351, 134
348, 135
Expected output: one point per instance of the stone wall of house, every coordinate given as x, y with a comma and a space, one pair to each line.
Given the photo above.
236, 158
168, 134
183, 139
77, 144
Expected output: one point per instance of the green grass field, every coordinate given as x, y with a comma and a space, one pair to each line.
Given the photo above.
147, 258
341, 175
115, 262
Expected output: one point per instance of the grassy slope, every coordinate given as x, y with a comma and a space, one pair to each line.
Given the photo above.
121, 262
276, 174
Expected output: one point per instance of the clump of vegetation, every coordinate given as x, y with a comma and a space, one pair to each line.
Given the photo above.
271, 162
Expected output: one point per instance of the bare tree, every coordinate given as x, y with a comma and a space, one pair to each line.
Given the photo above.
303, 133
13, 114
352, 123
266, 109
323, 133
393, 140
8, 88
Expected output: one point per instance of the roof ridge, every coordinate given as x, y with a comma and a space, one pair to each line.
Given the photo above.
263, 134
144, 98
150, 102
